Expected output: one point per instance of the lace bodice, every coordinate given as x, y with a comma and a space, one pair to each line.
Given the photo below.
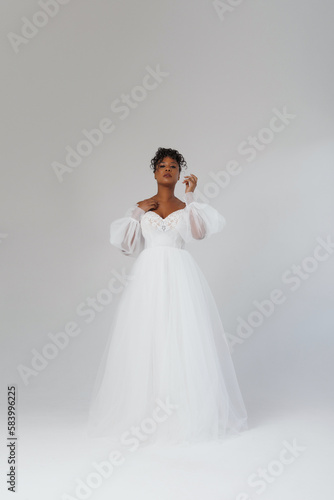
161, 232
154, 219
140, 229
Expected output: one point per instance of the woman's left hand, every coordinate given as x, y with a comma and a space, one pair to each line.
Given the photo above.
191, 182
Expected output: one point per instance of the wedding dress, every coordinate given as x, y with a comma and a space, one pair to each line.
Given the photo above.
166, 374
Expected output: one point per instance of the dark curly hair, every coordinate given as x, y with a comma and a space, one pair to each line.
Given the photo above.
172, 153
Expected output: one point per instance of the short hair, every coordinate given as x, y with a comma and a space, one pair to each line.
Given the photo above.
172, 153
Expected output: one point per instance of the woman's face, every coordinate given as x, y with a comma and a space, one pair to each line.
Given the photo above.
167, 171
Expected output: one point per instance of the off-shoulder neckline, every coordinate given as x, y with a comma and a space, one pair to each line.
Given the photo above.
164, 218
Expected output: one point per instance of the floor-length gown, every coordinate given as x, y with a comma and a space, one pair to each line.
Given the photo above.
166, 374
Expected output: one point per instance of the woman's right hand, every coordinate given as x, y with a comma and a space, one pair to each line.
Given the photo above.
148, 204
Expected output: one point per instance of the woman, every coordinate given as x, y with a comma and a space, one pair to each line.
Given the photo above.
167, 374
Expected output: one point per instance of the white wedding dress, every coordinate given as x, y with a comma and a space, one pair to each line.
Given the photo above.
166, 375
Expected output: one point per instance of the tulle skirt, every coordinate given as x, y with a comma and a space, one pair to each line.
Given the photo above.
166, 375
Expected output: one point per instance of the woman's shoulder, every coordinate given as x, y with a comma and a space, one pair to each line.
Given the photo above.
182, 204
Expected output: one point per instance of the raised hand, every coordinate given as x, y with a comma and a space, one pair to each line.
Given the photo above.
191, 182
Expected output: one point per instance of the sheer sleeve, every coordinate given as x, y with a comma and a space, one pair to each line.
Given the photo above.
126, 234
199, 220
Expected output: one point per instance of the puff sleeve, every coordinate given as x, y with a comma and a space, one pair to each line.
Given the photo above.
126, 234
199, 220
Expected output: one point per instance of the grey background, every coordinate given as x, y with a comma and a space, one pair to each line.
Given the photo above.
225, 77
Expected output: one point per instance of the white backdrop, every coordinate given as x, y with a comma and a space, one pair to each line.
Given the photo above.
243, 89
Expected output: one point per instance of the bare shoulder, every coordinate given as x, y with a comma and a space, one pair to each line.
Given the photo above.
182, 204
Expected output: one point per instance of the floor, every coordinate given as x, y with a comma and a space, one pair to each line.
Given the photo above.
283, 458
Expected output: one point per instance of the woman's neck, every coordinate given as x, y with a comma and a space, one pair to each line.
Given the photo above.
165, 194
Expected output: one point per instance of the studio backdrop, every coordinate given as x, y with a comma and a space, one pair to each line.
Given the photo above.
89, 92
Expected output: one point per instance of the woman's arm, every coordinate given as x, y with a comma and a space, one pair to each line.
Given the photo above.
131, 233
199, 220
197, 223
125, 233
